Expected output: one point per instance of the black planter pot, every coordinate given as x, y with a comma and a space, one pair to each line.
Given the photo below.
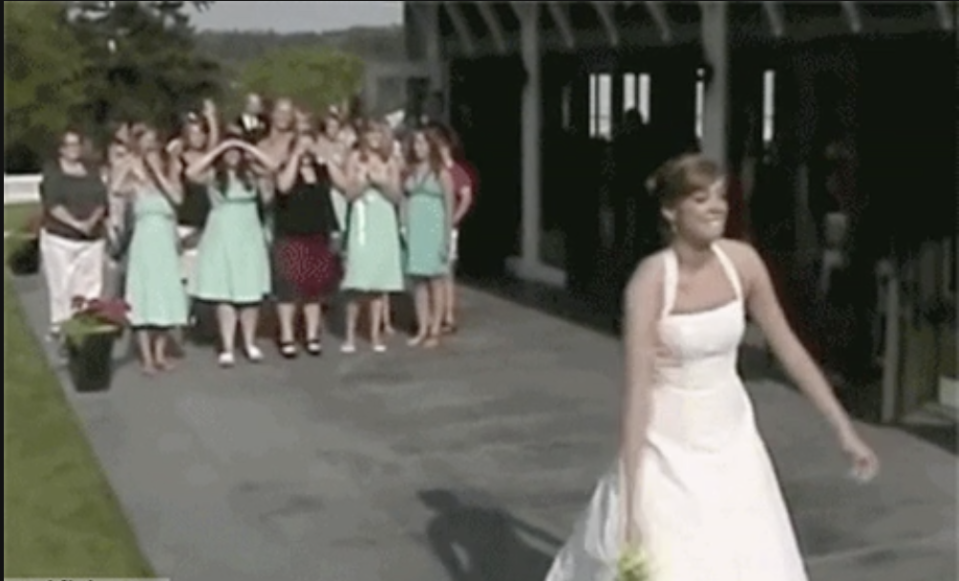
25, 260
90, 362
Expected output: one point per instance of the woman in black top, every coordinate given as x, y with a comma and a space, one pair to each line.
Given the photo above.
306, 269
73, 236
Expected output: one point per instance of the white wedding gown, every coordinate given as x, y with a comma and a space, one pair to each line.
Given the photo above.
709, 507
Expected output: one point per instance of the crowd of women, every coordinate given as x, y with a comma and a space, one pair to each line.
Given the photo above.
292, 208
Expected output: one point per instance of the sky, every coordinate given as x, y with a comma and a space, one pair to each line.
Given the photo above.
297, 16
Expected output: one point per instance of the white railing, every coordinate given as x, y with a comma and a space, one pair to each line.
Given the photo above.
21, 189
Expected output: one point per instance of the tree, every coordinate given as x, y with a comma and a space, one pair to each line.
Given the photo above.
42, 78
143, 61
313, 78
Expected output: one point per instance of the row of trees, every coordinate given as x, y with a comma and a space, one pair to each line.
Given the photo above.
85, 64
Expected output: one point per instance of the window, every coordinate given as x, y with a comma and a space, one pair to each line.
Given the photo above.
630, 91
643, 94
769, 106
700, 100
600, 105
636, 93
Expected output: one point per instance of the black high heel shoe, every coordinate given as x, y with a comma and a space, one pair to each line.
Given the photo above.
288, 349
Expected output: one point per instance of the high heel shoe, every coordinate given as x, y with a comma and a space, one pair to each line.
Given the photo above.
314, 347
288, 349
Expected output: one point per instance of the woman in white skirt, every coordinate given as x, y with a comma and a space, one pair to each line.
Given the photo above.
694, 487
73, 236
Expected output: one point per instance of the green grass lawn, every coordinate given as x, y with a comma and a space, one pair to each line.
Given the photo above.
15, 216
60, 516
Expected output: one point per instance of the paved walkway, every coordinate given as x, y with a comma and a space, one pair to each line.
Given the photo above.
414, 466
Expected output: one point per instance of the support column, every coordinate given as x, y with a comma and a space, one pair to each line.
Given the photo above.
531, 137
715, 37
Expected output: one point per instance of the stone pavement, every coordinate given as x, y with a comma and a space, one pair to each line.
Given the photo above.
467, 463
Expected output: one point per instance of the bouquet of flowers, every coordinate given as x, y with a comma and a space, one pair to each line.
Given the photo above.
632, 566
94, 316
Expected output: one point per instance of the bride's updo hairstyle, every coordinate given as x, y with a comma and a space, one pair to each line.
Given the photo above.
679, 178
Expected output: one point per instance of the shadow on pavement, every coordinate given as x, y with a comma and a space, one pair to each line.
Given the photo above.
476, 543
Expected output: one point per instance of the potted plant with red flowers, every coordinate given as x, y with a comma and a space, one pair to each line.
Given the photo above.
89, 337
24, 258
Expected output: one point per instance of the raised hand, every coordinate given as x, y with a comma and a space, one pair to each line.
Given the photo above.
209, 108
377, 174
303, 145
175, 147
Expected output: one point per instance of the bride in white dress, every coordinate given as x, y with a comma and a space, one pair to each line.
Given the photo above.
705, 502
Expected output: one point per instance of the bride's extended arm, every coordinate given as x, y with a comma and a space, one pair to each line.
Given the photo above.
764, 308
643, 301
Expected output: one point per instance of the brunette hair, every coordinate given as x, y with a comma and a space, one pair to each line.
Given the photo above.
681, 177
448, 137
434, 156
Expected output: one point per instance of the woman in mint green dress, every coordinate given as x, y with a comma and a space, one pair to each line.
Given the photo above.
232, 265
158, 302
429, 204
373, 259
332, 148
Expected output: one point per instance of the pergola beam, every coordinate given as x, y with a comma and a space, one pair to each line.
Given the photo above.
659, 16
945, 14
461, 28
604, 11
494, 26
853, 16
559, 16
777, 21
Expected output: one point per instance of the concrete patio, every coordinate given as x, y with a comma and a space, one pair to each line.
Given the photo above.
466, 463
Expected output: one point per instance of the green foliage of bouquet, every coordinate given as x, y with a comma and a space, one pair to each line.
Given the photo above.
632, 566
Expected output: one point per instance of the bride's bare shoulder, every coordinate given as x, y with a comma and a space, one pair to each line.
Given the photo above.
744, 257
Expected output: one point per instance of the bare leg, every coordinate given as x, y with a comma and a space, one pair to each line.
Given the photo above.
421, 297
313, 319
146, 351
249, 316
160, 344
286, 313
437, 295
388, 315
226, 318
376, 322
449, 318
352, 317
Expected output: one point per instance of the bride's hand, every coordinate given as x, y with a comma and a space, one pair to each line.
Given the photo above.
632, 564
864, 462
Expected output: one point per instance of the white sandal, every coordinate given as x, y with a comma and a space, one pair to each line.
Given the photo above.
226, 359
253, 353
